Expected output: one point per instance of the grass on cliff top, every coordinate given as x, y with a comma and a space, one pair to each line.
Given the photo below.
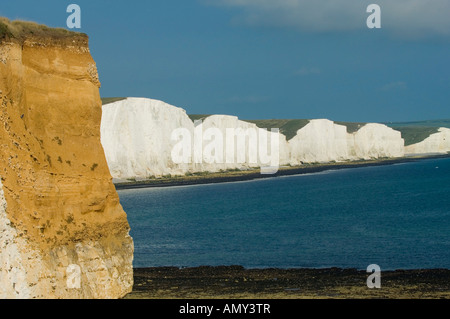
108, 100
416, 132
352, 127
198, 117
288, 128
20, 30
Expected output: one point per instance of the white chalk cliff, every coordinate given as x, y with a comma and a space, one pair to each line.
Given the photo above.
242, 153
376, 141
323, 141
320, 141
137, 135
435, 143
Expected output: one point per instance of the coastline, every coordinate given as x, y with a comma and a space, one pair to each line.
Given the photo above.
254, 174
235, 282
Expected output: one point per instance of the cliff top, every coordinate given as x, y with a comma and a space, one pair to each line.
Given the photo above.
23, 30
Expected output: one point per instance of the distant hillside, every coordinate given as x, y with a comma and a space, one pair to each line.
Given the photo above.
198, 117
107, 100
288, 128
431, 123
416, 132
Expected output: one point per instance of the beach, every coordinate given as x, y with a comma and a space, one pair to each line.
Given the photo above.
236, 282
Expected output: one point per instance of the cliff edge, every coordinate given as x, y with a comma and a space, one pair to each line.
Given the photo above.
136, 134
63, 232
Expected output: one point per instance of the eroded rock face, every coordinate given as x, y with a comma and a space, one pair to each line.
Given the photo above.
374, 141
250, 151
58, 206
136, 135
320, 141
323, 141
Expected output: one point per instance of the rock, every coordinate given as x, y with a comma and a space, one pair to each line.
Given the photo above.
136, 135
374, 141
323, 141
320, 141
250, 152
59, 211
137, 138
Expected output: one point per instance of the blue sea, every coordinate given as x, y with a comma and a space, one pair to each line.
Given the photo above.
396, 216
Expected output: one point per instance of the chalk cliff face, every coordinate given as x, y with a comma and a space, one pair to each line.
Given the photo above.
58, 206
137, 137
250, 147
318, 142
374, 141
323, 141
436, 143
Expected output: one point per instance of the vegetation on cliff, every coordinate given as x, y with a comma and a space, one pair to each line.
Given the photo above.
21, 30
108, 100
416, 132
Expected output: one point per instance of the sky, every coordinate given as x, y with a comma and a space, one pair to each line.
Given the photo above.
268, 59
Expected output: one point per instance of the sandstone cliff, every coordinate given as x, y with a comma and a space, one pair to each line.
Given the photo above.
58, 206
136, 135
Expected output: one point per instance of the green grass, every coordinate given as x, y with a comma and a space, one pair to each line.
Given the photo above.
416, 132
352, 127
198, 117
108, 100
288, 128
4, 31
21, 30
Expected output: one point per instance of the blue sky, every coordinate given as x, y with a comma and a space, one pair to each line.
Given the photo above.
261, 59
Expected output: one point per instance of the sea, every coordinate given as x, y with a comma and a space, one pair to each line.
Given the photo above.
396, 216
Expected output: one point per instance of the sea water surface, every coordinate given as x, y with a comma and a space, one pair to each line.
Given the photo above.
395, 216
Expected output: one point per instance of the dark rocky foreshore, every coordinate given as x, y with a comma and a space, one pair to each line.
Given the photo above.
238, 176
238, 283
